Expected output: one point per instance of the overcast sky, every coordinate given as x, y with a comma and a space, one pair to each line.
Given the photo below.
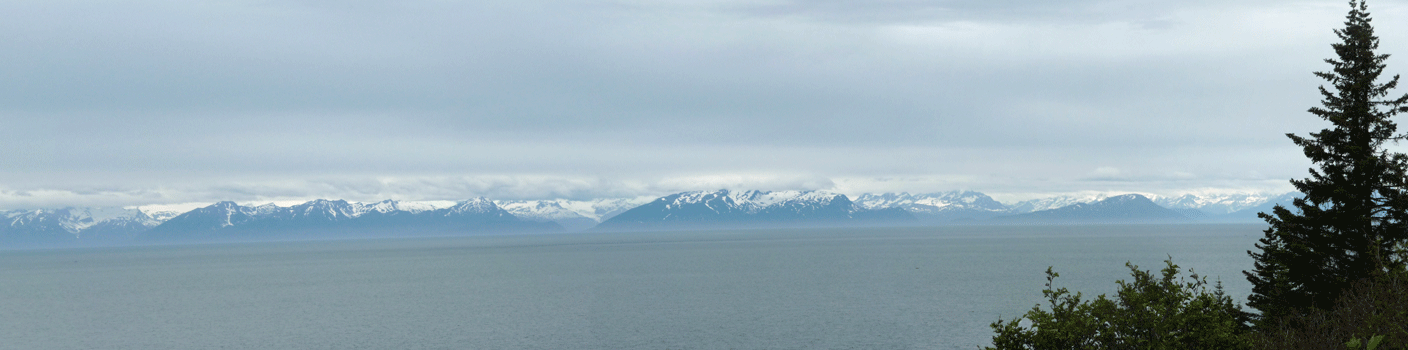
149, 102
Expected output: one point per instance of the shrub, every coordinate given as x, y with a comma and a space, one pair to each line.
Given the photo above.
1148, 312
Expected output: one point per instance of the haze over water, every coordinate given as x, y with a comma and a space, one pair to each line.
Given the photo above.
871, 288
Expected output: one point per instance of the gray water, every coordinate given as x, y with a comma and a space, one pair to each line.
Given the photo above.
893, 288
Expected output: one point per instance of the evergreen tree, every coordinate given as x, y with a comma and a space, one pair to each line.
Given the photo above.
1355, 209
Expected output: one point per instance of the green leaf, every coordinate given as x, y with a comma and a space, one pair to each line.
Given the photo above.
1374, 342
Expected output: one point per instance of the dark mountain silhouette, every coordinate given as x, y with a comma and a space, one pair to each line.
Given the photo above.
1129, 208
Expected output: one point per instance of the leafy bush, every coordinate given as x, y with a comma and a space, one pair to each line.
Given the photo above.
1369, 308
1149, 312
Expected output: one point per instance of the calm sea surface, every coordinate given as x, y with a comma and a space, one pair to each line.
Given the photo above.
892, 288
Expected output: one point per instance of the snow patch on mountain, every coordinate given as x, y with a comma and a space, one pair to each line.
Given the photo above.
1124, 208
558, 210
476, 205
603, 209
163, 212
1055, 202
930, 203
758, 200
733, 209
546, 210
336, 210
75, 220
753, 202
571, 215
1216, 203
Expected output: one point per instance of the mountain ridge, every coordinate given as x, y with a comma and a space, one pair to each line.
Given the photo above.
749, 209
937, 207
1126, 208
338, 219
323, 218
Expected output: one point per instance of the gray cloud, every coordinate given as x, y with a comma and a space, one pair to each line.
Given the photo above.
170, 101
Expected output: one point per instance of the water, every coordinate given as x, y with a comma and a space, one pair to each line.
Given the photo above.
894, 288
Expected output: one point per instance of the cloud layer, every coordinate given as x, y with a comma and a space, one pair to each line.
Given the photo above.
170, 101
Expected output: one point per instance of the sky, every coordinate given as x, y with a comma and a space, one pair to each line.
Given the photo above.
117, 103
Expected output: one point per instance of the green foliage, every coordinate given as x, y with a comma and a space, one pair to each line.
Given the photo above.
1369, 309
1148, 312
1329, 270
1355, 209
1373, 344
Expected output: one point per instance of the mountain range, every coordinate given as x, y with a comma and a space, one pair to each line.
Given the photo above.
571, 215
335, 219
937, 207
74, 226
728, 209
1121, 209
229, 221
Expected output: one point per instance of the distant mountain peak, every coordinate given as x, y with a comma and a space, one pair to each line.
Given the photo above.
1125, 208
338, 218
725, 208
539, 210
474, 205
1131, 197
73, 225
574, 215
936, 207
224, 205
1217, 203
1054, 202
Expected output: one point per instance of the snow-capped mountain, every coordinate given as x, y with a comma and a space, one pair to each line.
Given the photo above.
75, 220
1215, 207
724, 208
701, 209
548, 211
72, 225
1054, 202
1127, 208
604, 209
936, 207
162, 216
388, 206
327, 218
572, 215
1216, 204
1250, 214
